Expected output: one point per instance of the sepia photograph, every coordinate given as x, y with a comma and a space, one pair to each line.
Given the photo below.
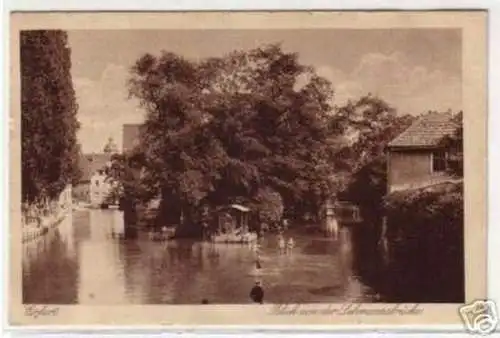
243, 166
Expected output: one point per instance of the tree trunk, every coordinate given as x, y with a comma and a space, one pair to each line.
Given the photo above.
169, 212
189, 225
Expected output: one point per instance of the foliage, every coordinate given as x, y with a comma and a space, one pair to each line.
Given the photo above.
425, 227
123, 174
441, 201
454, 143
366, 127
227, 127
48, 116
371, 124
269, 205
368, 187
77, 157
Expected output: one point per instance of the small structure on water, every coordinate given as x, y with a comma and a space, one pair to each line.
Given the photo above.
347, 213
233, 225
339, 213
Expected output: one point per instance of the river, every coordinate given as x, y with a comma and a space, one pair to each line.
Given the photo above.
86, 261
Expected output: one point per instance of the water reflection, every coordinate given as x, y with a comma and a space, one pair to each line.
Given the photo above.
50, 269
87, 261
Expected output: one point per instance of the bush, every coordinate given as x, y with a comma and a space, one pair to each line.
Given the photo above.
425, 235
368, 188
269, 205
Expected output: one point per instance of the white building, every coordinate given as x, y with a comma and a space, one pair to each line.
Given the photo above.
65, 198
99, 188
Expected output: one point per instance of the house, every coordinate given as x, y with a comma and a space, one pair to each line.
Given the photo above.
419, 156
65, 199
99, 188
90, 189
93, 187
89, 165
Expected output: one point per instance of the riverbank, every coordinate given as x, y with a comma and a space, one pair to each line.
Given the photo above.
40, 227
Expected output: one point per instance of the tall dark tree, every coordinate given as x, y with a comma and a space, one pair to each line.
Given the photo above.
48, 115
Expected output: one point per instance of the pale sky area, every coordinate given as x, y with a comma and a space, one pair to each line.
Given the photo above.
415, 70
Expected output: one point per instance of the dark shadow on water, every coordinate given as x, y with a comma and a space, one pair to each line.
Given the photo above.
51, 275
406, 277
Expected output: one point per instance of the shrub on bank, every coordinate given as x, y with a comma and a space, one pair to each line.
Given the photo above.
425, 237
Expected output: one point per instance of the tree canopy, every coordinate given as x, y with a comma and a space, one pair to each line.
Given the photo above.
253, 126
224, 128
48, 115
367, 126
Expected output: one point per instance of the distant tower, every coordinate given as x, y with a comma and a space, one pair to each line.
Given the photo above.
110, 147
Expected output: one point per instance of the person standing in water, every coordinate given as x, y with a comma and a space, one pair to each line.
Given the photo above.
290, 245
257, 293
285, 224
281, 243
258, 264
256, 248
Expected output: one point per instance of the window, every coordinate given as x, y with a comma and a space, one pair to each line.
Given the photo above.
438, 161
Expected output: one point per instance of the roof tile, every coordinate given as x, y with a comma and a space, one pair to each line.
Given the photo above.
426, 132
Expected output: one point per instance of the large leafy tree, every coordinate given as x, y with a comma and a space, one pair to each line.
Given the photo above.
370, 123
224, 128
48, 115
367, 126
125, 176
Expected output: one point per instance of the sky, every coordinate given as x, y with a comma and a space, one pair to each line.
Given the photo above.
415, 70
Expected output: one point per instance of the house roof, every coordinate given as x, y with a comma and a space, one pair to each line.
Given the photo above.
90, 163
426, 132
131, 133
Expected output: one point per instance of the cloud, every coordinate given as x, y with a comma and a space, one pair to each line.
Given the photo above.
330, 73
104, 107
347, 90
410, 88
